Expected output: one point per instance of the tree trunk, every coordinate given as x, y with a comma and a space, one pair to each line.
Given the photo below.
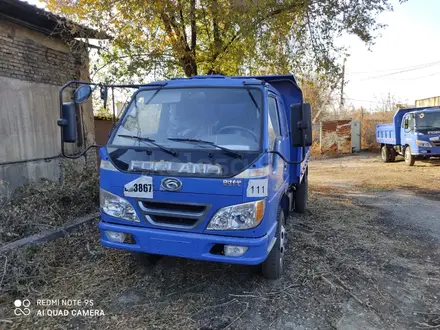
188, 64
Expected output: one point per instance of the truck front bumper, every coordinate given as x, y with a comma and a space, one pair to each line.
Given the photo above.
426, 152
187, 245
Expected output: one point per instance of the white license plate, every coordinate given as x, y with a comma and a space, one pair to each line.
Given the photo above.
141, 187
257, 188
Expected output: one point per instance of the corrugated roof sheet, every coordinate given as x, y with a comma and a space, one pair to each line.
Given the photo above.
23, 13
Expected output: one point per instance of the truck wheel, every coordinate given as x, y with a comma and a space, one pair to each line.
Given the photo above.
386, 154
393, 155
409, 159
272, 267
301, 194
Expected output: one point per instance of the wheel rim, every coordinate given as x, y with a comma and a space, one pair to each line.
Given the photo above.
282, 244
384, 155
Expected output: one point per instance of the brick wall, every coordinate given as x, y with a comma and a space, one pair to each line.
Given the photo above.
27, 60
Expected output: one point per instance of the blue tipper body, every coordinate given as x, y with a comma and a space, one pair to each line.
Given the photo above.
201, 197
421, 135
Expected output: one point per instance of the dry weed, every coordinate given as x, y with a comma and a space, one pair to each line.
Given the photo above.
44, 205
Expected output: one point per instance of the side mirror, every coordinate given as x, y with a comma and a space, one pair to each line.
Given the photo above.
69, 123
301, 124
406, 124
82, 93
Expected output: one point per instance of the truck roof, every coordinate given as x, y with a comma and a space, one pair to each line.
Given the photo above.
427, 109
283, 85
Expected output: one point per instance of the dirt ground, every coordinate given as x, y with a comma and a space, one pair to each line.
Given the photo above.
365, 256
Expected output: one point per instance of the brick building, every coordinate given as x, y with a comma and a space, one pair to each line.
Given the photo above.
39, 52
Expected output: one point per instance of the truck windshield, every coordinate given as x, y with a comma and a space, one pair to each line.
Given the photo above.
428, 121
228, 117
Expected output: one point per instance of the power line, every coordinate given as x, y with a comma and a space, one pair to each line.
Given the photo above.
395, 69
402, 71
420, 77
350, 99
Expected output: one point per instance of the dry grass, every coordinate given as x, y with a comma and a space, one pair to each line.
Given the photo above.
44, 205
350, 262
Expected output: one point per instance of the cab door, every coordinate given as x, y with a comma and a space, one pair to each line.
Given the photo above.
407, 133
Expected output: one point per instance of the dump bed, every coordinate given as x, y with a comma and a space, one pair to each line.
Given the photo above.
386, 133
390, 133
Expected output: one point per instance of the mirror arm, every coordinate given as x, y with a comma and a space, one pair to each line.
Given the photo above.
113, 106
285, 159
80, 154
62, 122
104, 95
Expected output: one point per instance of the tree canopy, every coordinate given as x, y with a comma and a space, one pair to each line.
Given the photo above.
190, 37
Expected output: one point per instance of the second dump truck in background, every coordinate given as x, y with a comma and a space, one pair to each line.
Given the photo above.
414, 134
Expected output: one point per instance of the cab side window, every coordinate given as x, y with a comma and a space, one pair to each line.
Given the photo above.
411, 122
273, 122
410, 119
283, 119
403, 121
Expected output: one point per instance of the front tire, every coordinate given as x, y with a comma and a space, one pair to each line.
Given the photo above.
409, 159
272, 267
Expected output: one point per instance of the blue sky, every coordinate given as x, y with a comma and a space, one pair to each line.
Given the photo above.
411, 39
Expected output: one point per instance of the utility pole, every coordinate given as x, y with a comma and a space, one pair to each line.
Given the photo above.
341, 103
388, 106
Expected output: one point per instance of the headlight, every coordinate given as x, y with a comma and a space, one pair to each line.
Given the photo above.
116, 206
241, 216
107, 165
421, 143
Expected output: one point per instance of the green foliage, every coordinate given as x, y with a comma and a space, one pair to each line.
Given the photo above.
167, 38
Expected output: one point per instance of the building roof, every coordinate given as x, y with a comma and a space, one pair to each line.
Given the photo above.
25, 14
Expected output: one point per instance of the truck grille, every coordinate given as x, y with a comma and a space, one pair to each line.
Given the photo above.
436, 143
188, 208
173, 220
186, 215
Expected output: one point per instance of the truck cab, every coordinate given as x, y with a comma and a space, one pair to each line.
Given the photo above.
206, 168
414, 134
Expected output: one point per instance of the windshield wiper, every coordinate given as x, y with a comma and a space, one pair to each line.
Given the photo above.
253, 98
148, 140
226, 150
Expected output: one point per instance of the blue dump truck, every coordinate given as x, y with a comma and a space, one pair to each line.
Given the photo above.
414, 134
207, 167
